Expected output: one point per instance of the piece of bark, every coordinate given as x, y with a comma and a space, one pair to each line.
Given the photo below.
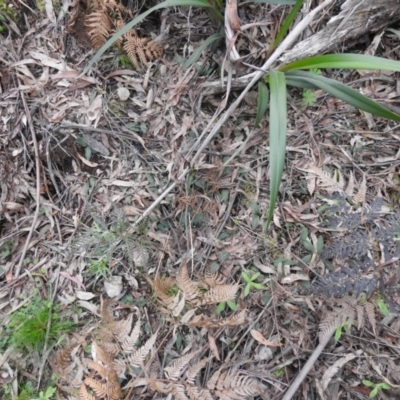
357, 17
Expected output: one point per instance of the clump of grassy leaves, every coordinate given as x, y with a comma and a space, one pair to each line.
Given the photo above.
278, 79
27, 327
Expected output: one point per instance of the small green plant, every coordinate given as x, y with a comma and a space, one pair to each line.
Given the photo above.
250, 283
47, 395
221, 306
279, 372
27, 328
376, 387
309, 97
99, 268
339, 330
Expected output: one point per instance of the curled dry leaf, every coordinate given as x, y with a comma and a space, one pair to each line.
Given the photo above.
261, 339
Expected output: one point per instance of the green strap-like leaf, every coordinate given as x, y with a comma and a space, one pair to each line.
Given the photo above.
344, 61
288, 22
141, 17
340, 91
197, 53
277, 135
262, 101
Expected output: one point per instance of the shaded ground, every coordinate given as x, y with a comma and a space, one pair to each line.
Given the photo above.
80, 164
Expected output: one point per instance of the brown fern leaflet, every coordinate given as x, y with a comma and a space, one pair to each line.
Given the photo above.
108, 17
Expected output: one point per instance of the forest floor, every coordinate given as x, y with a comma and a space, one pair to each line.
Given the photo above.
198, 299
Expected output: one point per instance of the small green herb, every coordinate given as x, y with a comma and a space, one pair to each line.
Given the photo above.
250, 283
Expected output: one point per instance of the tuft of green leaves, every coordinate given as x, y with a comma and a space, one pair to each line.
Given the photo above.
250, 283
376, 387
27, 327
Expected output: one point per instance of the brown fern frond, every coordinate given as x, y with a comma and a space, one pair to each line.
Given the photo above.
105, 310
213, 279
175, 369
192, 372
84, 394
62, 362
162, 288
329, 324
128, 343
215, 377
143, 49
239, 386
121, 329
186, 285
99, 354
178, 391
219, 294
233, 320
138, 356
103, 372
99, 27
99, 388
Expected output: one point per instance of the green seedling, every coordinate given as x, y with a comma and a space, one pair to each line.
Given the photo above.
47, 395
376, 387
251, 284
99, 268
339, 330
221, 306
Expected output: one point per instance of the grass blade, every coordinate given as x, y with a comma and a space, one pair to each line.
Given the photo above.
288, 22
197, 53
344, 61
277, 135
344, 93
262, 101
139, 18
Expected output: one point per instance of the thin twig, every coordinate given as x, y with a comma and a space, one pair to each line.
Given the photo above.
308, 365
49, 321
257, 76
37, 165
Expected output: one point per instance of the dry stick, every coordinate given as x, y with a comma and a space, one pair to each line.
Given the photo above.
49, 321
37, 164
258, 75
308, 365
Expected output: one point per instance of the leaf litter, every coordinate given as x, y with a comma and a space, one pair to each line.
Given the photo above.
108, 145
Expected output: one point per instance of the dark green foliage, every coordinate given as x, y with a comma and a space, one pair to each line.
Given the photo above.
367, 252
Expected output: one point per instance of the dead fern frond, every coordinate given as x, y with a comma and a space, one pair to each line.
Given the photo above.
138, 356
62, 362
84, 393
99, 27
163, 289
192, 371
174, 370
202, 321
213, 279
219, 294
141, 49
186, 285
128, 342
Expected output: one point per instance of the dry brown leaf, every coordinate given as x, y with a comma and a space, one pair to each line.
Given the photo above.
261, 339
213, 346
